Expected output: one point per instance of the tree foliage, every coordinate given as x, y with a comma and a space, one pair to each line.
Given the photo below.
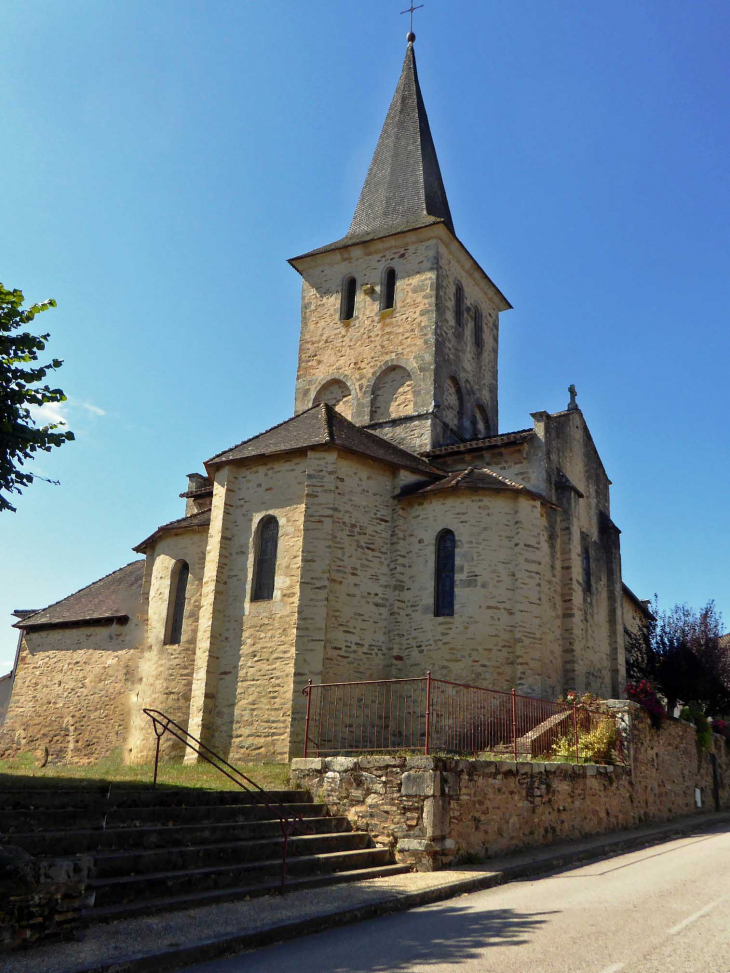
20, 436
680, 653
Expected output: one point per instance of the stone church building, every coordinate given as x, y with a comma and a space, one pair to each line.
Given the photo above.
388, 528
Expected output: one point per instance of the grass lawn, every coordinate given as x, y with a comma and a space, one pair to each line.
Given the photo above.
270, 776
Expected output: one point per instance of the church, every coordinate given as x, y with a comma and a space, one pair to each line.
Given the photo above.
386, 529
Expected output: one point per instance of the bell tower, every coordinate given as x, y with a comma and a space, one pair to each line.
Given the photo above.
400, 325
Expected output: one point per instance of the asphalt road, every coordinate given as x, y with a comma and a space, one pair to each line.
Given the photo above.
665, 909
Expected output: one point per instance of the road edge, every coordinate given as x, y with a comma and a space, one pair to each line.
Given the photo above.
167, 960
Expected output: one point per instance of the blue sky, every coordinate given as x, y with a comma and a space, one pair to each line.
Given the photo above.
162, 160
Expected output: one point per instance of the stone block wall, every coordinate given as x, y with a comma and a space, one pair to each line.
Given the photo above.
432, 811
73, 692
40, 899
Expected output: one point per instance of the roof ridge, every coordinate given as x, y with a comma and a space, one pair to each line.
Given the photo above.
476, 443
389, 443
263, 432
80, 590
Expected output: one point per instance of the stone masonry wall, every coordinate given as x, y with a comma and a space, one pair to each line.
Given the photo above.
72, 692
457, 353
505, 592
165, 674
359, 350
432, 810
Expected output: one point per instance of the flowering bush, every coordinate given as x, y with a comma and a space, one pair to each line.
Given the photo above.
643, 694
721, 727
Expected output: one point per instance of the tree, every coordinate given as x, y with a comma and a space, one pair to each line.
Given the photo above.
20, 436
680, 653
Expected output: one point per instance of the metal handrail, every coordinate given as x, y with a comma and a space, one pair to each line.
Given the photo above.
290, 823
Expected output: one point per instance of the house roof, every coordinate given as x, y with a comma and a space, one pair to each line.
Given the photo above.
475, 479
192, 522
505, 439
105, 600
404, 189
322, 425
641, 605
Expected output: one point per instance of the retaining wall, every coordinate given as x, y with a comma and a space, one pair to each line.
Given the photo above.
433, 811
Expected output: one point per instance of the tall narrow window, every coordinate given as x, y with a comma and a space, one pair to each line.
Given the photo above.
387, 290
349, 291
445, 563
587, 582
176, 604
459, 306
267, 544
478, 326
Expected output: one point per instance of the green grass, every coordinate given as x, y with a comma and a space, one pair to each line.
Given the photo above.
270, 776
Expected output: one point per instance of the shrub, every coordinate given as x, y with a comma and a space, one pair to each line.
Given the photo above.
643, 694
721, 727
695, 714
596, 745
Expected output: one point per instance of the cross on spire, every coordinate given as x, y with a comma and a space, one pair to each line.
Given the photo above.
410, 10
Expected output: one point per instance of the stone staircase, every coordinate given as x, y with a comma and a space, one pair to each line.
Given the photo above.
154, 849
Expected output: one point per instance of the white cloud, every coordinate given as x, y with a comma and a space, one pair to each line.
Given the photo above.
50, 413
94, 409
65, 413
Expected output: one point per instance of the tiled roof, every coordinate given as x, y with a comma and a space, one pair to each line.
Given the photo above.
505, 439
322, 425
724, 641
200, 494
641, 605
404, 188
104, 600
201, 519
475, 479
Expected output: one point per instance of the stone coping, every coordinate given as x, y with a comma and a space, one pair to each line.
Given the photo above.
342, 765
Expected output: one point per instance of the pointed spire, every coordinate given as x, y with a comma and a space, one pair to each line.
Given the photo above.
403, 188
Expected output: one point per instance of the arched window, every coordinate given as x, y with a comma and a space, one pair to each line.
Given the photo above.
587, 581
478, 326
387, 289
349, 291
267, 543
459, 306
176, 603
444, 581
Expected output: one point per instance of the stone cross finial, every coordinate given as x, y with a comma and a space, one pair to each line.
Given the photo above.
572, 405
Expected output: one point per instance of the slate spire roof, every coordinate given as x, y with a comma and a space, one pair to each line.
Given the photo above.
404, 189
404, 184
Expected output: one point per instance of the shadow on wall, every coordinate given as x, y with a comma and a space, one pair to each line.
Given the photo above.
405, 942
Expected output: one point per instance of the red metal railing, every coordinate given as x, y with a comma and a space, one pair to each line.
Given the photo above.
433, 715
290, 823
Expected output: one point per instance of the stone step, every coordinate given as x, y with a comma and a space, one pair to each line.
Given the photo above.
109, 798
46, 819
135, 888
76, 842
141, 862
192, 900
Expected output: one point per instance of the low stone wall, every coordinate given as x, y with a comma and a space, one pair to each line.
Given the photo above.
433, 811
40, 899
